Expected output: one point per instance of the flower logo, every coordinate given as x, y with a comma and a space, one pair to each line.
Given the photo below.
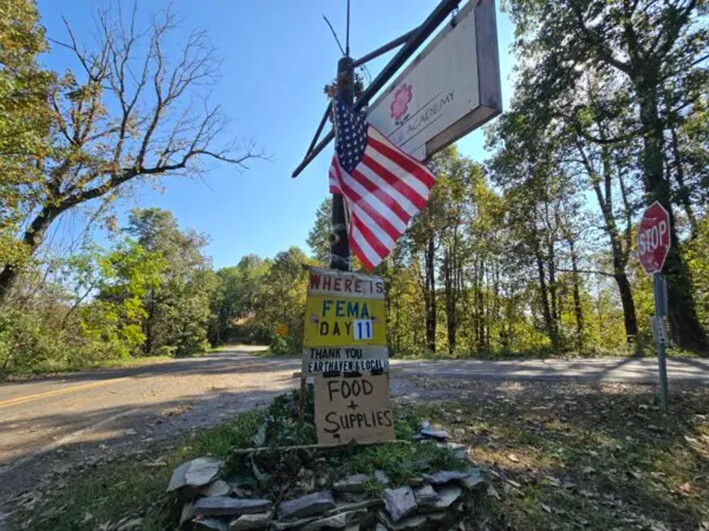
400, 104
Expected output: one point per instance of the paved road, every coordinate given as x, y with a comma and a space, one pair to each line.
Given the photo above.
628, 370
48, 421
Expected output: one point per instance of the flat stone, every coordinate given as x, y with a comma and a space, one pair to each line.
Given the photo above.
426, 496
412, 522
445, 476
337, 521
216, 488
438, 517
346, 507
354, 483
195, 473
353, 497
447, 497
415, 482
309, 505
293, 524
382, 478
434, 433
187, 511
225, 506
458, 449
247, 522
474, 481
129, 524
209, 523
399, 502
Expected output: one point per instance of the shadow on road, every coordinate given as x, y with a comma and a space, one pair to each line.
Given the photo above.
217, 363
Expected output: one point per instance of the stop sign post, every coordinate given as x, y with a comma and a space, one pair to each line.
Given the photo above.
653, 247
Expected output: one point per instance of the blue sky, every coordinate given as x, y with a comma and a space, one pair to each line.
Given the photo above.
276, 58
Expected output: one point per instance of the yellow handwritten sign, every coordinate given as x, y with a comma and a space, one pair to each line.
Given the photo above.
333, 320
345, 323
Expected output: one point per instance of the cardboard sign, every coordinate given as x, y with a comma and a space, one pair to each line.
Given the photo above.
353, 409
345, 323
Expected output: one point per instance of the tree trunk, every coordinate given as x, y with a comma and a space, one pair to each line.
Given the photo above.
578, 310
430, 295
544, 296
451, 293
685, 327
32, 239
148, 328
619, 255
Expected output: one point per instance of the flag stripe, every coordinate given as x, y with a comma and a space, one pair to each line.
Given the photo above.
405, 161
395, 182
387, 200
379, 232
371, 239
399, 173
377, 205
386, 223
380, 184
369, 258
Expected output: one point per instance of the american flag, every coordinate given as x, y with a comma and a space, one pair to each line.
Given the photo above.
383, 187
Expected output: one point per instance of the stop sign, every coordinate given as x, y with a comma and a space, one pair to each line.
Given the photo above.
654, 238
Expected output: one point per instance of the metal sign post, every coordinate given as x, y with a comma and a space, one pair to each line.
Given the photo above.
653, 246
660, 291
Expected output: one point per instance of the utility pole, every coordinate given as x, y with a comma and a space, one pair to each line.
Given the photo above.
339, 245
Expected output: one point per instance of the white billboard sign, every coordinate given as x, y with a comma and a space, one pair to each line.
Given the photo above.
449, 89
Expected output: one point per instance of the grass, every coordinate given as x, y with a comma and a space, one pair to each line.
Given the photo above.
136, 488
600, 457
562, 456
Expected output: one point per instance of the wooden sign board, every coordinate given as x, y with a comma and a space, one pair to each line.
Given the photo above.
353, 409
345, 323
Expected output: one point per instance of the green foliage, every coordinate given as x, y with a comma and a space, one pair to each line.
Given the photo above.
110, 120
399, 461
129, 487
237, 301
26, 340
697, 253
177, 307
24, 119
319, 235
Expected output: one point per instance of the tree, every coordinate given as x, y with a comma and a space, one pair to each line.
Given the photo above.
128, 274
127, 113
645, 43
24, 119
319, 235
424, 239
178, 309
238, 299
284, 299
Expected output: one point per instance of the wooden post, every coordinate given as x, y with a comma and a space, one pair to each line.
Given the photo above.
301, 399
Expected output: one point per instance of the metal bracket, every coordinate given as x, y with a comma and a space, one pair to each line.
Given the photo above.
414, 39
